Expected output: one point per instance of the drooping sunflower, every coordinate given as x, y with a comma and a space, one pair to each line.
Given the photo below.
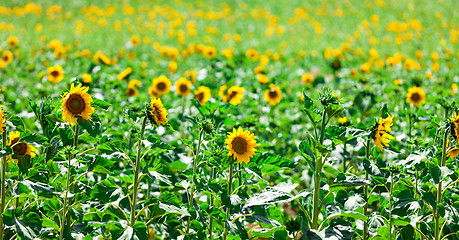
416, 96
455, 126
75, 103
156, 112
273, 95
161, 85
2, 120
7, 56
122, 75
380, 132
55, 74
100, 57
202, 95
241, 145
20, 148
183, 87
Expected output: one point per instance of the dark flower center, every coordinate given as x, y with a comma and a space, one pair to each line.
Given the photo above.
55, 73
232, 95
20, 148
183, 88
200, 96
75, 104
239, 145
161, 86
130, 92
272, 94
415, 97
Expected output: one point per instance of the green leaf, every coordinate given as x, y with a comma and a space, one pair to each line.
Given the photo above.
173, 209
440, 173
100, 104
6, 151
92, 125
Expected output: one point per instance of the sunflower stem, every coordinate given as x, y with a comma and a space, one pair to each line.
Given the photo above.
3, 185
365, 191
390, 204
239, 174
64, 207
439, 188
136, 172
230, 183
195, 166
211, 205
317, 178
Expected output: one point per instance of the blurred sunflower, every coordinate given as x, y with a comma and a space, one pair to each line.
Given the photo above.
262, 78
172, 67
55, 74
161, 85
132, 91
2, 119
86, 78
156, 112
12, 41
380, 132
210, 52
234, 94
183, 87
252, 54
453, 152
241, 145
100, 57
75, 103
124, 73
202, 95
20, 148
191, 75
307, 78
416, 96
274, 95
7, 56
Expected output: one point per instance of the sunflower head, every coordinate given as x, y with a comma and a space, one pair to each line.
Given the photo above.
156, 112
161, 85
55, 74
7, 56
241, 145
234, 95
415, 96
75, 103
274, 95
183, 87
202, 95
2, 120
380, 132
20, 148
132, 91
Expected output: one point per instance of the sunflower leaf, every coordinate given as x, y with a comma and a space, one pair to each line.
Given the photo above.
100, 104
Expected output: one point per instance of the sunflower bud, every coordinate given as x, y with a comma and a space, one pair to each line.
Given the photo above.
293, 225
394, 169
207, 126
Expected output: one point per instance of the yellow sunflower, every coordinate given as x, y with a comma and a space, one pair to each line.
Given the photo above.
21, 148
210, 52
274, 95
455, 127
100, 57
7, 56
156, 112
134, 83
380, 132
86, 78
416, 96
453, 152
132, 91
161, 85
252, 54
262, 78
307, 78
2, 119
75, 103
55, 74
191, 75
183, 87
172, 67
202, 95
12, 41
241, 145
234, 94
124, 73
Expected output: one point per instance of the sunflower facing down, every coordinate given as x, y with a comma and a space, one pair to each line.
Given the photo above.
202, 95
55, 74
20, 148
380, 132
156, 112
241, 145
274, 95
183, 87
122, 75
161, 85
75, 103
2, 119
416, 96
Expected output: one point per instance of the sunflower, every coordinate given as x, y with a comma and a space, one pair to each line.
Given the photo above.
241, 145
172, 67
307, 78
210, 52
252, 54
455, 126
132, 91
75, 103
20, 148
134, 83
191, 75
183, 87
274, 95
161, 85
86, 78
234, 94
156, 112
12, 41
135, 40
7, 56
416, 96
100, 57
453, 152
124, 73
202, 95
380, 132
262, 78
55, 74
2, 119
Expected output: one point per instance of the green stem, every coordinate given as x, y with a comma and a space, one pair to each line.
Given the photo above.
365, 192
390, 205
3, 185
439, 188
211, 205
344, 156
137, 170
230, 183
64, 208
240, 174
317, 178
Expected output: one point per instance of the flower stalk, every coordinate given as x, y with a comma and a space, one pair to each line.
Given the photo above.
136, 173
3, 186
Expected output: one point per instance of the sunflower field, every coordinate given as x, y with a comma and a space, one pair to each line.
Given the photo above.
198, 119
